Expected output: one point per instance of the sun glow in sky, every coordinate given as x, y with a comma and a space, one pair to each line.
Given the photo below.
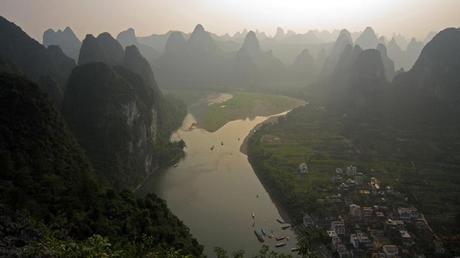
411, 17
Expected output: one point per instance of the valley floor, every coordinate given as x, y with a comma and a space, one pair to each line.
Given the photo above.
213, 109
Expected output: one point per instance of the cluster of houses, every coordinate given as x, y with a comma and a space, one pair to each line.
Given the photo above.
367, 219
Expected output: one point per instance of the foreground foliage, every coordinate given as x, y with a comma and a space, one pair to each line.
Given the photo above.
51, 201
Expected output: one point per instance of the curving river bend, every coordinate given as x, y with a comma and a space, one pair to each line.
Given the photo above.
215, 192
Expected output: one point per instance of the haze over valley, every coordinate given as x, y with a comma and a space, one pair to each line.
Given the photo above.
332, 130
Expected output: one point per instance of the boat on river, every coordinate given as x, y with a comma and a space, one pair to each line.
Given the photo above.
280, 221
281, 244
212, 147
286, 226
259, 235
280, 238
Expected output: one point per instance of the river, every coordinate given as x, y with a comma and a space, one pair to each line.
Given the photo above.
215, 192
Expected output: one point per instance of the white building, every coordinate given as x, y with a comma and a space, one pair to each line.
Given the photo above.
303, 168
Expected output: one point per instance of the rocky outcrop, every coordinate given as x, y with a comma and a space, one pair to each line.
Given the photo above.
435, 76
109, 111
254, 67
65, 39
368, 39
103, 48
128, 38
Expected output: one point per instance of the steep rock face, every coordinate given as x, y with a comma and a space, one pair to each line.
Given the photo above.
387, 63
134, 61
128, 38
368, 39
113, 120
341, 43
49, 192
65, 39
104, 49
435, 76
33, 59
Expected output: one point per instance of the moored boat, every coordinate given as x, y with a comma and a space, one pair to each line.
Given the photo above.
286, 226
259, 235
280, 238
280, 244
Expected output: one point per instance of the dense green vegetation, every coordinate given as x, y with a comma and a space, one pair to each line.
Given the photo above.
243, 105
51, 201
420, 160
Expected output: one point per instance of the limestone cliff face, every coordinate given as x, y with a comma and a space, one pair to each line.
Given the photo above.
434, 80
113, 120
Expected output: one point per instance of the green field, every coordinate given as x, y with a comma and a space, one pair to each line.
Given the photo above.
245, 105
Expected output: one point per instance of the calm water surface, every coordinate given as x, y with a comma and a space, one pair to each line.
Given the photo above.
214, 192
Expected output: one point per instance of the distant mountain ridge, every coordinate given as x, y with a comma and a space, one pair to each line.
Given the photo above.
50, 67
65, 39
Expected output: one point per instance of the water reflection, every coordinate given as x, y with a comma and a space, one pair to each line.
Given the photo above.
215, 191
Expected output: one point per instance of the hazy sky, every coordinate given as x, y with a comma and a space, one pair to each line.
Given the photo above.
411, 17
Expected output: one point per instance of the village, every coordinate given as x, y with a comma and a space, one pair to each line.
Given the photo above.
364, 218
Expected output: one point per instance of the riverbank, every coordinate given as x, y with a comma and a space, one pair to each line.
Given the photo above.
272, 120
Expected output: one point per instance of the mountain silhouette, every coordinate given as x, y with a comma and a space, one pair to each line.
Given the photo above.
65, 39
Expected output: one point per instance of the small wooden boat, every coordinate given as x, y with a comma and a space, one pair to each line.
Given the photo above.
280, 238
280, 244
253, 215
212, 147
259, 235
295, 249
286, 226
222, 143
